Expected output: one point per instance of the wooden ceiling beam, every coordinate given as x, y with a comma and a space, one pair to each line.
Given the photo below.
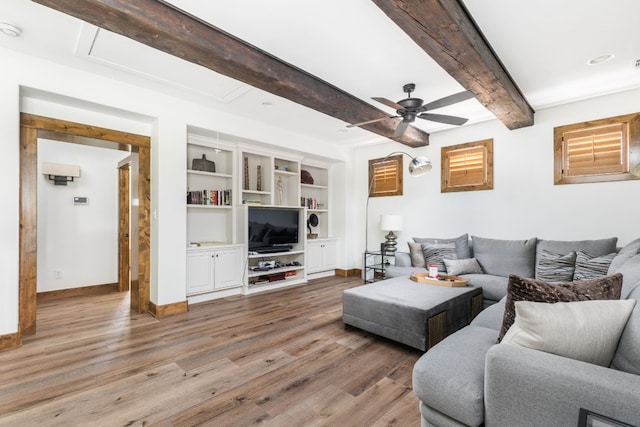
166, 28
446, 32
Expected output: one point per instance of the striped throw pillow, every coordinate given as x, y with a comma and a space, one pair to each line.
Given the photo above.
588, 266
435, 253
555, 268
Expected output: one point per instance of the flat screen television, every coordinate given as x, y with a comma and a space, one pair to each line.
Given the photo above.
272, 229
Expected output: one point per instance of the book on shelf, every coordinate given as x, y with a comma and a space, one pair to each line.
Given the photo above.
209, 197
309, 202
251, 202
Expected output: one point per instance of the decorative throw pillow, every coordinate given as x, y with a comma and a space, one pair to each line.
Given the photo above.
416, 254
523, 289
462, 244
435, 253
455, 267
585, 330
553, 267
588, 267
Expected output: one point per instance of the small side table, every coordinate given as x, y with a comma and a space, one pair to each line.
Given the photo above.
375, 264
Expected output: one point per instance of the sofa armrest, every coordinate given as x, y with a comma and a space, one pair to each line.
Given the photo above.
530, 387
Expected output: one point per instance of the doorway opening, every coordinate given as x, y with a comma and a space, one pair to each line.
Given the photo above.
31, 129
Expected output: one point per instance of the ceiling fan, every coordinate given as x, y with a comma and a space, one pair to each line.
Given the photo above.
410, 108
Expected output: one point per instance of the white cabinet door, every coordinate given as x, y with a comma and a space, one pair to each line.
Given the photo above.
200, 265
321, 255
329, 255
228, 268
314, 257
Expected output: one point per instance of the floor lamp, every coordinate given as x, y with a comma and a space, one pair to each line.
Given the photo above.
418, 166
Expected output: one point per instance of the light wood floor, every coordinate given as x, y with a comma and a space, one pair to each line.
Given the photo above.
280, 358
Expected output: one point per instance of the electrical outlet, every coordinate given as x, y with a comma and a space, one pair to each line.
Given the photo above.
57, 274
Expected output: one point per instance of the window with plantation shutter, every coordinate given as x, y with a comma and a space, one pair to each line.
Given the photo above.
385, 176
467, 167
600, 150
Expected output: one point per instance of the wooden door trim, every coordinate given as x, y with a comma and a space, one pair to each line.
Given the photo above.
30, 126
124, 227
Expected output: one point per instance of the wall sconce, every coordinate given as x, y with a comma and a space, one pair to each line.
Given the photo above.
60, 173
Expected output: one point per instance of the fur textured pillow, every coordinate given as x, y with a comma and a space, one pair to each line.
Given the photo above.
523, 289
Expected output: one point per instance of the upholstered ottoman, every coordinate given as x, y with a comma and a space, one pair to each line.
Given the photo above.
415, 314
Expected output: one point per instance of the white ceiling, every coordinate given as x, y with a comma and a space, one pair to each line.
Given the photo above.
545, 46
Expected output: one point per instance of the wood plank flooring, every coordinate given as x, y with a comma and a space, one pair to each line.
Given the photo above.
279, 358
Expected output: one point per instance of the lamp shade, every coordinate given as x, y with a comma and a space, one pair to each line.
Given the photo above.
419, 166
390, 222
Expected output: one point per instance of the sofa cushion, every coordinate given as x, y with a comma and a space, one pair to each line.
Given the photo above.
416, 254
589, 266
582, 330
627, 357
631, 247
494, 288
553, 267
505, 257
435, 253
630, 271
491, 317
596, 247
525, 289
456, 267
450, 376
462, 244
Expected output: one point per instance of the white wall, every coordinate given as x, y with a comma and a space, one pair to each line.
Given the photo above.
69, 94
78, 241
524, 202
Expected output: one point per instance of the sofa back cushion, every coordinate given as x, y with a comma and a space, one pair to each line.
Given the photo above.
462, 244
630, 271
627, 357
505, 257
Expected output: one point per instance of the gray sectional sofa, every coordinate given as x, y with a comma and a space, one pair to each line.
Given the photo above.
469, 380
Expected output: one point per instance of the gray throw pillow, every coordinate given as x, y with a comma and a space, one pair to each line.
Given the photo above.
462, 244
553, 267
435, 253
456, 267
416, 254
589, 267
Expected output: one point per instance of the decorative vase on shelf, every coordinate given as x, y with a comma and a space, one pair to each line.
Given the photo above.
259, 179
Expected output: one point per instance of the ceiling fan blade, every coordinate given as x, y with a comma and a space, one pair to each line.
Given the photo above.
441, 118
402, 126
448, 100
388, 103
371, 121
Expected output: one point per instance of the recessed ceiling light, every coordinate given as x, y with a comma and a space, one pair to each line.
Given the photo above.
601, 59
10, 29
267, 104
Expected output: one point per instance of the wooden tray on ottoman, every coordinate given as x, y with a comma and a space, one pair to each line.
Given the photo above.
442, 280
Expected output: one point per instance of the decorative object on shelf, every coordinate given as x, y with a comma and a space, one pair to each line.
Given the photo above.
203, 164
305, 177
419, 166
390, 223
60, 173
259, 178
245, 181
279, 192
312, 221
